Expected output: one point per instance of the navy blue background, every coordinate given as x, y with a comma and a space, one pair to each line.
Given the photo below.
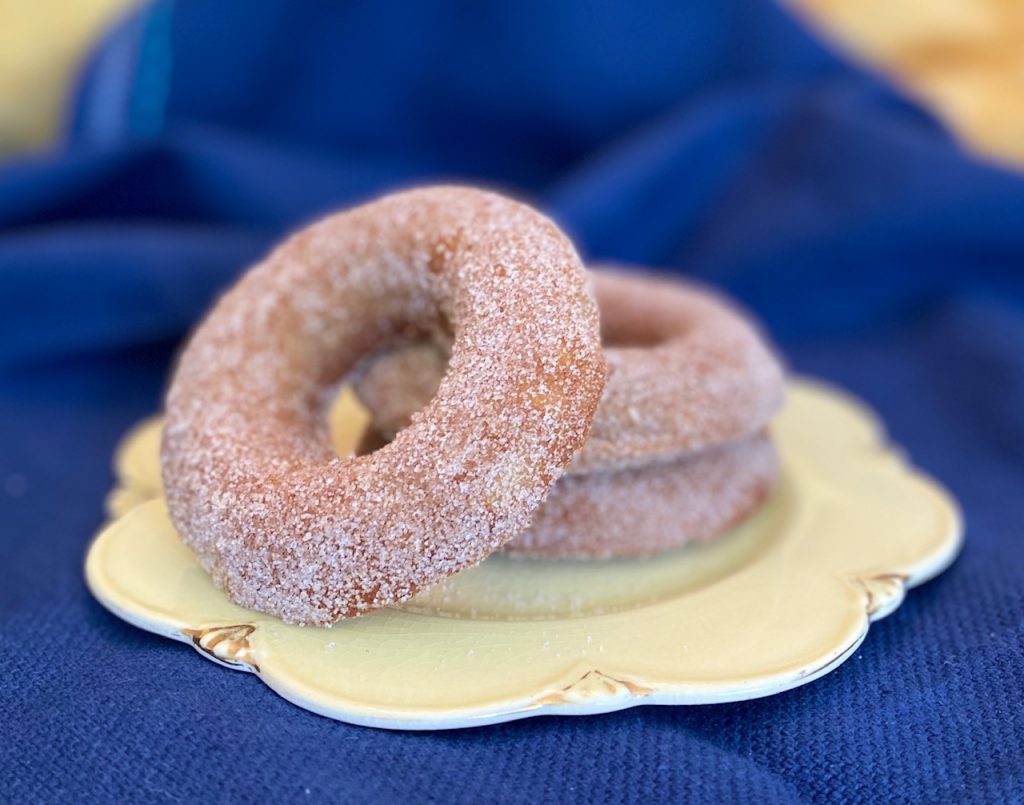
715, 138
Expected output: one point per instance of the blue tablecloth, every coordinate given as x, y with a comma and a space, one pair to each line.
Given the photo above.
715, 138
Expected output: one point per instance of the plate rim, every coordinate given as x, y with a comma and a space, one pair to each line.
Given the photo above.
572, 694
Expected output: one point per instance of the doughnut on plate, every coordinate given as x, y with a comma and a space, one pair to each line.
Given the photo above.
778, 602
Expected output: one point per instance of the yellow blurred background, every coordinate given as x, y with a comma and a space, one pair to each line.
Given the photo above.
963, 58
42, 44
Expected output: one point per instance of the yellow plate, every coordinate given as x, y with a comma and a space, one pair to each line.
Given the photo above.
780, 601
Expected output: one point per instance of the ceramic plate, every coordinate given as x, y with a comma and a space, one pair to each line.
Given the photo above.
778, 602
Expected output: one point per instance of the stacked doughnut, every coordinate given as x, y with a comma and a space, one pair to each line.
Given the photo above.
466, 323
678, 450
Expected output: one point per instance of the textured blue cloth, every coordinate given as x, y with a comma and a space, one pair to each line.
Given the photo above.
715, 138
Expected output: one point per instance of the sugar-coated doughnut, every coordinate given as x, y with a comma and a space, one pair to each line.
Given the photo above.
686, 370
284, 525
644, 510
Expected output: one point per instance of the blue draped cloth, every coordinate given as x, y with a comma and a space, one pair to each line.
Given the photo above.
716, 139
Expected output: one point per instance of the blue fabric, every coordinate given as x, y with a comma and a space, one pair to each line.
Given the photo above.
714, 138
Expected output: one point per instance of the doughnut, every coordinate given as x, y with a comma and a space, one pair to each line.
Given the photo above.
648, 509
253, 485
685, 371
645, 510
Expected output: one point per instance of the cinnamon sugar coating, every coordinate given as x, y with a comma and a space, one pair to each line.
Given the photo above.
686, 370
647, 509
284, 525
644, 510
